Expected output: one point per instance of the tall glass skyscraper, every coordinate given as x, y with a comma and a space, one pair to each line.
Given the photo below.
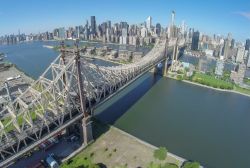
93, 24
195, 41
247, 46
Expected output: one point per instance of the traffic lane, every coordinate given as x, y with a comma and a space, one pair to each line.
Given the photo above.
61, 150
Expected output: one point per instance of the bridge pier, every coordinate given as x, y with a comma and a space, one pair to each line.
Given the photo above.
165, 68
86, 131
161, 68
175, 56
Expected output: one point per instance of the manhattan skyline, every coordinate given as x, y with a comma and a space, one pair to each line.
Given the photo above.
213, 17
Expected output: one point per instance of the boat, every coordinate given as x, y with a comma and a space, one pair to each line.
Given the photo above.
48, 46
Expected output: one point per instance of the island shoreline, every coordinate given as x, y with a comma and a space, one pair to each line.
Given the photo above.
210, 87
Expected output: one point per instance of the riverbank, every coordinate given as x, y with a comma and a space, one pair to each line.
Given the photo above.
210, 87
14, 71
114, 147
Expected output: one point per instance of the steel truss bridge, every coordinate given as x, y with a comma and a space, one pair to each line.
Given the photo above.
67, 92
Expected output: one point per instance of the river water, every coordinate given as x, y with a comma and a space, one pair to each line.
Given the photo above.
193, 122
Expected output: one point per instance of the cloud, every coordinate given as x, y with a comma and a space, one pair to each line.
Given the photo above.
244, 14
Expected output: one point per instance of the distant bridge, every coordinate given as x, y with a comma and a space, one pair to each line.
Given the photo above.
67, 92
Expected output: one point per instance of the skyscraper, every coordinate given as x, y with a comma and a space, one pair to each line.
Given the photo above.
195, 40
158, 29
240, 54
93, 24
149, 22
225, 51
172, 18
183, 27
109, 24
232, 43
171, 27
247, 46
61, 33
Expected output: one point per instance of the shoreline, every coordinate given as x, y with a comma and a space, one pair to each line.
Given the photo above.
23, 72
210, 87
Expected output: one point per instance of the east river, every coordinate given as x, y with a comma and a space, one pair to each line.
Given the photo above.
193, 122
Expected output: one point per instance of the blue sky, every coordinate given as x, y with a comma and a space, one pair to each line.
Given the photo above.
209, 16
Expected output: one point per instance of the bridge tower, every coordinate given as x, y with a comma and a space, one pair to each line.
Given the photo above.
175, 54
163, 64
86, 123
165, 67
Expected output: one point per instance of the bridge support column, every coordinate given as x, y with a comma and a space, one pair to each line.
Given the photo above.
175, 56
165, 68
155, 70
86, 133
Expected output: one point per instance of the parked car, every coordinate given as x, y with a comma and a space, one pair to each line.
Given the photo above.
51, 161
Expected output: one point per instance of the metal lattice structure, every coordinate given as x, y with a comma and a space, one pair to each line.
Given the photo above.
67, 91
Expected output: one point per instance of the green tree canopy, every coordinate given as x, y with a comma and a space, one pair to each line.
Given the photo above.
191, 165
160, 153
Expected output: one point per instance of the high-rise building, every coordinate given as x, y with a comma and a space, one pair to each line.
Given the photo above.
172, 18
240, 54
246, 55
109, 24
93, 24
158, 29
238, 74
144, 32
248, 59
61, 33
219, 67
247, 45
195, 41
232, 43
124, 32
183, 27
225, 51
172, 28
123, 25
124, 37
149, 22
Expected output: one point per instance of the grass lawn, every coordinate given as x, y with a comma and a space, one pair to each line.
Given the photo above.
241, 90
209, 80
79, 162
247, 81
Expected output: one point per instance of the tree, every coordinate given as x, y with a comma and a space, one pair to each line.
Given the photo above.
191, 165
160, 153
154, 165
169, 165
179, 77
158, 165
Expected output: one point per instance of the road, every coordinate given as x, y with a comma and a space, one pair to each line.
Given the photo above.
61, 150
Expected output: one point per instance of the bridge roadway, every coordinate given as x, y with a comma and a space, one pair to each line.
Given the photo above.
66, 92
